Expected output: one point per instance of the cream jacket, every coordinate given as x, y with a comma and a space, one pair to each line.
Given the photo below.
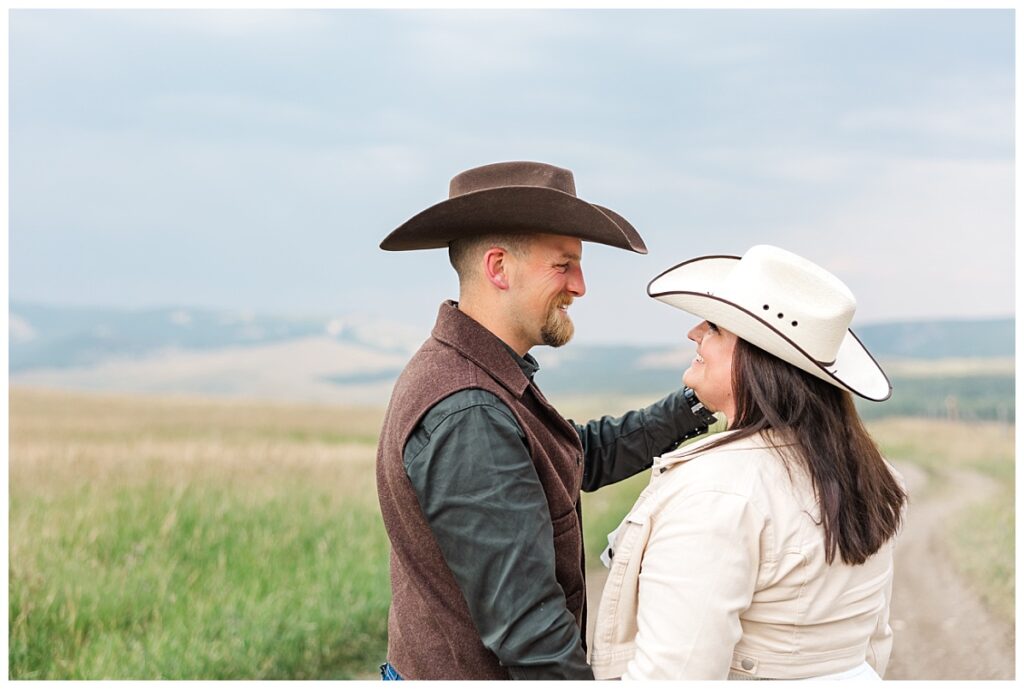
719, 571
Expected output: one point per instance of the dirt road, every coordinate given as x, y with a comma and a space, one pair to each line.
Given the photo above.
942, 630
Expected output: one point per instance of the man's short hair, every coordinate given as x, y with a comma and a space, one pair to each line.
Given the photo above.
464, 254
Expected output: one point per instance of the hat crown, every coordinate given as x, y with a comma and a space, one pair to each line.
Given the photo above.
803, 301
512, 174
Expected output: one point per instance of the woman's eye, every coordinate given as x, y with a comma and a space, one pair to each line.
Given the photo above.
712, 327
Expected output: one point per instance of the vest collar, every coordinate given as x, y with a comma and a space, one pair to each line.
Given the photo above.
479, 345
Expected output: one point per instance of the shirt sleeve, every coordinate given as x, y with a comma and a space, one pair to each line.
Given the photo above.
616, 448
698, 574
469, 465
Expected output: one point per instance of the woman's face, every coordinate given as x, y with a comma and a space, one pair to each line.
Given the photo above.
710, 374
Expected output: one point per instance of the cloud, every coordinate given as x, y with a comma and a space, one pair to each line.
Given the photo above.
922, 238
180, 317
450, 45
21, 330
235, 24
255, 159
978, 123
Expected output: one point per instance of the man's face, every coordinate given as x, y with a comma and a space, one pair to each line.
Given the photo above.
547, 278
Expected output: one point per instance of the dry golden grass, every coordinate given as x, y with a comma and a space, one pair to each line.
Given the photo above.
934, 368
73, 440
938, 446
91, 416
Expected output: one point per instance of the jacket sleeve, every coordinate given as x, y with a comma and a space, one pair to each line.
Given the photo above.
880, 644
698, 573
481, 495
616, 448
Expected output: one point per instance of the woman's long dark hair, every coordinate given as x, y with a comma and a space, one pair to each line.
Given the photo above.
861, 501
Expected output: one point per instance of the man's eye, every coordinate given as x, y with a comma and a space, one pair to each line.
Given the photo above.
562, 266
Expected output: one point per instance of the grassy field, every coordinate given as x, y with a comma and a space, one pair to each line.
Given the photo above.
176, 539
182, 539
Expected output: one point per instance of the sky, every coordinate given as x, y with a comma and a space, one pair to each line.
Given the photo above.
253, 160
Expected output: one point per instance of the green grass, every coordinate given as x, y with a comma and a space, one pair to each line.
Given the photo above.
982, 544
203, 583
181, 539
139, 557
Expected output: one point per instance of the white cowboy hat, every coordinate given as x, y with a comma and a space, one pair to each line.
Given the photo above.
785, 305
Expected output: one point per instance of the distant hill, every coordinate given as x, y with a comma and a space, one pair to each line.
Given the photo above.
56, 337
638, 369
940, 339
354, 359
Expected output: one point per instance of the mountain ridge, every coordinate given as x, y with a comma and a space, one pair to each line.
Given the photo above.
44, 336
355, 359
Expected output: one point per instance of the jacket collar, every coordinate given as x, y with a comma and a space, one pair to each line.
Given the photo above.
686, 452
764, 440
481, 346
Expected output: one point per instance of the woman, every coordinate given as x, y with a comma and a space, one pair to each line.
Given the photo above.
765, 551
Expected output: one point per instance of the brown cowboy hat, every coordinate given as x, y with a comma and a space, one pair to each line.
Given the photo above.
515, 197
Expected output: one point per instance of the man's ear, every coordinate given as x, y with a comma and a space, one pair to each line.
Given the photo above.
496, 267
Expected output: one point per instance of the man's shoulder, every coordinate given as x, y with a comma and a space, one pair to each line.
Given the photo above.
464, 400
436, 362
435, 369
461, 418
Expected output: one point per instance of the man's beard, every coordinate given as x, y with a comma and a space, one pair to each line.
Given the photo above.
558, 328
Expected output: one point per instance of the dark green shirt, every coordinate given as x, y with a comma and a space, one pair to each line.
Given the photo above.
491, 520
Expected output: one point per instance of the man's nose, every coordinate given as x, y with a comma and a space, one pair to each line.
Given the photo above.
576, 285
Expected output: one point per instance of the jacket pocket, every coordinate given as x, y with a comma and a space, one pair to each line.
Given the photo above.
630, 533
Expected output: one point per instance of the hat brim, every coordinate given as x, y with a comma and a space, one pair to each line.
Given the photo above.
691, 286
514, 209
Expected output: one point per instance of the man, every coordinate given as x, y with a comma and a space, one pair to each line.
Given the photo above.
478, 476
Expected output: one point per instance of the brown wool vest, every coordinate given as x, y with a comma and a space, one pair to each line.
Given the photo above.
430, 632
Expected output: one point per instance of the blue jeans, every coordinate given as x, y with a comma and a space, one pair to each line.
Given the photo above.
388, 672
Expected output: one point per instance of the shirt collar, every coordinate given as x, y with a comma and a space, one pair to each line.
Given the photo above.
527, 364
